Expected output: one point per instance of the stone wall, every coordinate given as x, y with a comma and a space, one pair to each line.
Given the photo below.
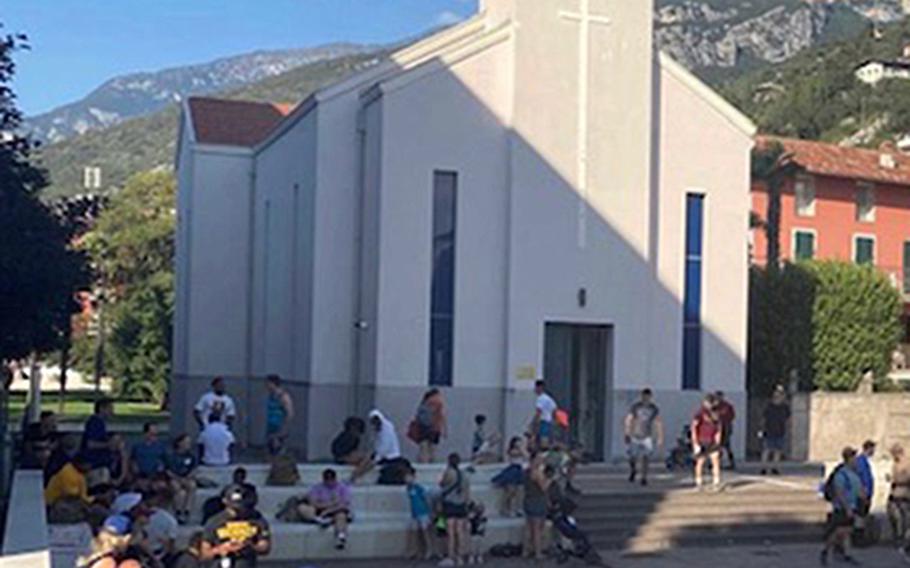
823, 423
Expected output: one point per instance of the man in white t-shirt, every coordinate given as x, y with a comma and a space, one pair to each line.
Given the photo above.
216, 441
544, 409
215, 400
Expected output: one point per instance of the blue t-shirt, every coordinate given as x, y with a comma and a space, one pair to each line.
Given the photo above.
182, 464
849, 485
864, 471
96, 431
150, 458
417, 495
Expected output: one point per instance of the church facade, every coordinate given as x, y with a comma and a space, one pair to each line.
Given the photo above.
534, 193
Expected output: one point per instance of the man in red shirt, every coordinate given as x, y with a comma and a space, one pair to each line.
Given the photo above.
706, 440
727, 415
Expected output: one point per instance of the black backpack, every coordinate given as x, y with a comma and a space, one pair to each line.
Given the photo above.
394, 471
830, 492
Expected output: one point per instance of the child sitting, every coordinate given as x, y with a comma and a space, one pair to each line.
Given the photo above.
511, 479
478, 522
483, 445
419, 538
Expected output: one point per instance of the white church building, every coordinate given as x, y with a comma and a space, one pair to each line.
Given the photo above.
534, 193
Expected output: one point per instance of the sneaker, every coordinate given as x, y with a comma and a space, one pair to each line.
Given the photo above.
823, 557
775, 471
644, 482
632, 476
341, 542
446, 562
323, 522
763, 472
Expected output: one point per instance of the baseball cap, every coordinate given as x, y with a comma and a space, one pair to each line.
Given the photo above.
235, 496
126, 502
118, 525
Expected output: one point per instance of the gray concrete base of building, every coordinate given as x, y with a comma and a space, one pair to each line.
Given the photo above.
322, 408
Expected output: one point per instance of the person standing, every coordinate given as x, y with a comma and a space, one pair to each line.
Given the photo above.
238, 535
864, 470
644, 433
96, 443
727, 414
215, 400
455, 495
706, 437
279, 412
431, 424
536, 504
844, 490
899, 500
776, 417
544, 409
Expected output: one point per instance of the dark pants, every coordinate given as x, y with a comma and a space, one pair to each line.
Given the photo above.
726, 445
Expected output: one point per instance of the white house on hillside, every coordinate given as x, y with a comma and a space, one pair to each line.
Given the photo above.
534, 193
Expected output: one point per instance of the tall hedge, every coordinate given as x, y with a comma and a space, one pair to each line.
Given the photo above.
828, 321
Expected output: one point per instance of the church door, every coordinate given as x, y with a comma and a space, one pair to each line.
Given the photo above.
577, 360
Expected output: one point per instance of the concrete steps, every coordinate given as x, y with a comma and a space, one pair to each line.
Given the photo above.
753, 510
669, 513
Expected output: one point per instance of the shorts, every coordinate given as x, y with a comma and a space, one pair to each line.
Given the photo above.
838, 519
535, 509
427, 434
455, 510
545, 430
641, 448
707, 448
422, 522
774, 444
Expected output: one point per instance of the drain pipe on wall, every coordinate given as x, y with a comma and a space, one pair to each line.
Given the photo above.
359, 325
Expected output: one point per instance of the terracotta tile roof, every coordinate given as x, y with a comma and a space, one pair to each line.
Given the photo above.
840, 161
234, 123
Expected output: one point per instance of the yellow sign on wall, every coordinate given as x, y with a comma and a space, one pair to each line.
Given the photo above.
526, 373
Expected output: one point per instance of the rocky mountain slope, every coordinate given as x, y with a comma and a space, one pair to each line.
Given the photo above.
141, 94
816, 95
719, 38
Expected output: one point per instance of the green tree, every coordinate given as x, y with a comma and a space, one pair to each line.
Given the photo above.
827, 321
769, 167
132, 248
39, 273
855, 322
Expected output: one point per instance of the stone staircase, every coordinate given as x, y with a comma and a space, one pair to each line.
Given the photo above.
750, 510
382, 514
616, 514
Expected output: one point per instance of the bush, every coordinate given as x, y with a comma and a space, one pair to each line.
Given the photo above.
827, 321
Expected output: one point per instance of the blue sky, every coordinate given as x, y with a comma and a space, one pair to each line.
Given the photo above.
78, 44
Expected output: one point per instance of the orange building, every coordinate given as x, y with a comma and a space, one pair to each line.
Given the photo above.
841, 203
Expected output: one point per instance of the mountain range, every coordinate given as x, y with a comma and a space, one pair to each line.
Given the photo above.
129, 123
140, 94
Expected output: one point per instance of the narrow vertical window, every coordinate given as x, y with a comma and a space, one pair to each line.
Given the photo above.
442, 288
804, 190
695, 205
865, 203
864, 250
804, 245
906, 286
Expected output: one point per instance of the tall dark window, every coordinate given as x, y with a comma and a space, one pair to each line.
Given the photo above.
695, 209
906, 267
863, 250
442, 289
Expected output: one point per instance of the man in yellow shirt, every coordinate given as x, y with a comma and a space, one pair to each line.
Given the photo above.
66, 494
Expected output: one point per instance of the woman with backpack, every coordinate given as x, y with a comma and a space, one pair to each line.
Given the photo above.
454, 497
429, 425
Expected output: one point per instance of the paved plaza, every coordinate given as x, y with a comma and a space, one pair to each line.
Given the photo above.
800, 556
